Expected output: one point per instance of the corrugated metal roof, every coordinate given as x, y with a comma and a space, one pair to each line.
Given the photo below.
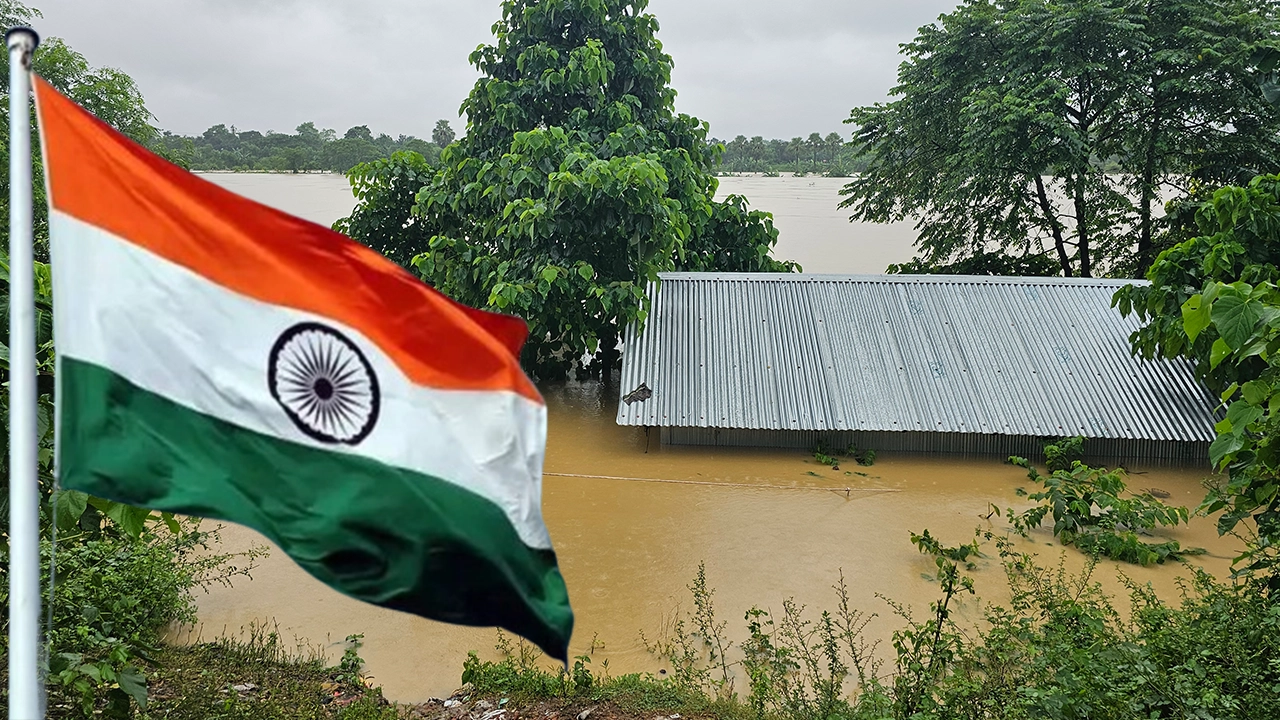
937, 353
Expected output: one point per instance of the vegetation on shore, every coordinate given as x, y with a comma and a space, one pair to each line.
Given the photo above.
1060, 648
829, 155
224, 148
307, 149
1213, 301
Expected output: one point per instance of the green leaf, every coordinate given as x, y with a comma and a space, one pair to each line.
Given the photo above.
134, 685
1242, 414
1195, 316
550, 274
102, 505
131, 520
1231, 390
1236, 319
1218, 352
68, 506
1255, 392
586, 271
1224, 445
171, 522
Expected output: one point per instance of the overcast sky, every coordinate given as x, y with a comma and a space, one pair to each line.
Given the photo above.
778, 68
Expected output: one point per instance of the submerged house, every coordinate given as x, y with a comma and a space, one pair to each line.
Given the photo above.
905, 363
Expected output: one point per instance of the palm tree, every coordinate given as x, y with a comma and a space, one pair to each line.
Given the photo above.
815, 144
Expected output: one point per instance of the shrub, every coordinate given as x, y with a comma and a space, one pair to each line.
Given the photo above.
114, 593
1093, 510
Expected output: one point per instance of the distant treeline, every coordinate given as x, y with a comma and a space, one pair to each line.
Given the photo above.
829, 155
308, 148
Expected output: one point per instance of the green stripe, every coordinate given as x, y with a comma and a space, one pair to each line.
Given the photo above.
381, 534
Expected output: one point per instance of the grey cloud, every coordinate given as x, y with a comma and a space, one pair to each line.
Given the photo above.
752, 67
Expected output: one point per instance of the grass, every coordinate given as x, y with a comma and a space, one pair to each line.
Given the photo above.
258, 679
519, 682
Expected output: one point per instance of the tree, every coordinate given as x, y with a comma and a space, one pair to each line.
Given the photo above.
106, 92
992, 263
295, 159
828, 155
834, 144
386, 192
1197, 106
219, 137
815, 143
345, 153
310, 136
1214, 300
428, 150
796, 151
575, 184
359, 132
442, 135
1008, 113
757, 149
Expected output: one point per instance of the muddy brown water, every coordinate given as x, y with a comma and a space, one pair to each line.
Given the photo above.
769, 524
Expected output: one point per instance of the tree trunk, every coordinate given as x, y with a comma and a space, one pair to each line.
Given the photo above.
610, 358
1082, 231
1059, 242
1148, 196
1144, 234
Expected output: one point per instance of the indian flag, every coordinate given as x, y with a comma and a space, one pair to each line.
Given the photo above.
221, 359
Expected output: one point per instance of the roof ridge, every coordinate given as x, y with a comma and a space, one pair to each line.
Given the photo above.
898, 279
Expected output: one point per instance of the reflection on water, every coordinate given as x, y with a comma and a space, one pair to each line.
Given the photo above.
812, 230
769, 524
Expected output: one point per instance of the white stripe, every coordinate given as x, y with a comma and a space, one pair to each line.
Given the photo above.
172, 332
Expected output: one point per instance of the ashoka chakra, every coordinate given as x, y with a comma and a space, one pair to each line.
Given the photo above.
324, 383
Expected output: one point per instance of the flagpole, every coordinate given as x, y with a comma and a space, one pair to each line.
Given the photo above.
26, 696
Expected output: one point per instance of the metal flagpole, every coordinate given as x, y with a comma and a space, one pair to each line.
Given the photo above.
26, 694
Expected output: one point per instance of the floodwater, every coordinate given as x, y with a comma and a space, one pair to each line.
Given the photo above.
632, 520
812, 230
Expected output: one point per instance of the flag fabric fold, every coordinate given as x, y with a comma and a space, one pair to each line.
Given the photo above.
222, 359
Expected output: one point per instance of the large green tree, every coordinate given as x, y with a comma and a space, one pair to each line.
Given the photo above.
1058, 127
575, 183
